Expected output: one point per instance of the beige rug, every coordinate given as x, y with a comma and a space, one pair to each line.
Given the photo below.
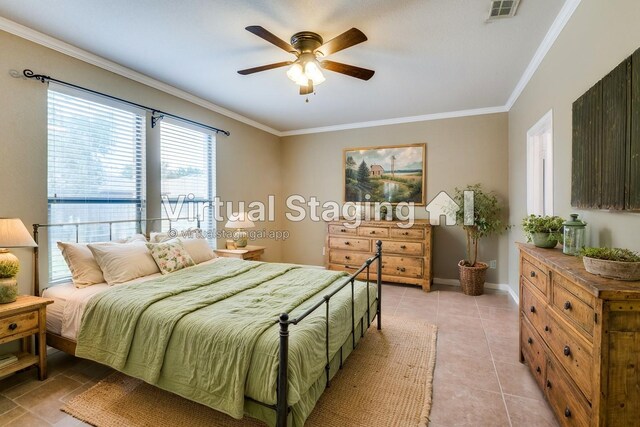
387, 381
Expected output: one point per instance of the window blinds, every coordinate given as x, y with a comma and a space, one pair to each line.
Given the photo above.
96, 169
188, 173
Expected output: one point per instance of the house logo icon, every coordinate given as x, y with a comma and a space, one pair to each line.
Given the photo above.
442, 205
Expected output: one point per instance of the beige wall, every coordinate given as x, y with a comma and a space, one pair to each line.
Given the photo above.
596, 39
460, 151
248, 166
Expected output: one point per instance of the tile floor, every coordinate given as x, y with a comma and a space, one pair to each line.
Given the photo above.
478, 380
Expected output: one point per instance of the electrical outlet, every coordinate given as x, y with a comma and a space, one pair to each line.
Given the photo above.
493, 264
323, 251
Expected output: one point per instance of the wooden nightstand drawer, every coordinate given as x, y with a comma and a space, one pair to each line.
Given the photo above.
535, 275
373, 231
17, 324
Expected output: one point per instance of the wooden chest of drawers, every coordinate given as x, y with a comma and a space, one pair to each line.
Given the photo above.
406, 251
580, 336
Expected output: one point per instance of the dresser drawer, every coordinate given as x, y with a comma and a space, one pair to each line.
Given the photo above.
573, 352
404, 248
533, 351
354, 259
377, 232
406, 233
534, 309
18, 323
573, 309
340, 229
401, 266
348, 243
569, 405
536, 276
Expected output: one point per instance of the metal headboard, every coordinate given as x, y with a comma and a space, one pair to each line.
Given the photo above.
77, 225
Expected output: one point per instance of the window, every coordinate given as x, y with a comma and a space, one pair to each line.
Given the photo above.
188, 176
96, 169
540, 167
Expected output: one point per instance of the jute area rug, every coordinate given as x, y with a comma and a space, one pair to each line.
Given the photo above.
386, 381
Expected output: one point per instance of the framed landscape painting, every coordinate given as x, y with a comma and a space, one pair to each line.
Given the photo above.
391, 174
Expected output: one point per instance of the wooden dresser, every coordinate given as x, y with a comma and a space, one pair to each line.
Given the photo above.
406, 251
580, 336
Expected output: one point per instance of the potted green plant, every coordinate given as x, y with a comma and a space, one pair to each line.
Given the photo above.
486, 221
544, 231
9, 267
612, 263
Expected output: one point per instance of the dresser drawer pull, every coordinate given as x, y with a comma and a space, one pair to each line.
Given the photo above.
406, 233
533, 309
548, 384
347, 257
566, 351
373, 232
342, 230
530, 340
532, 274
402, 269
567, 412
347, 243
538, 370
13, 326
567, 305
403, 247
546, 329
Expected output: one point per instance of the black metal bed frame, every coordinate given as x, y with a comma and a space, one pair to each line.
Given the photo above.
281, 407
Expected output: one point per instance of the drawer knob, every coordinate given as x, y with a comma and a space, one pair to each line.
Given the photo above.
546, 329
13, 326
567, 305
347, 257
533, 309
567, 412
347, 243
567, 351
342, 230
538, 370
532, 274
548, 384
530, 340
402, 269
406, 233
403, 247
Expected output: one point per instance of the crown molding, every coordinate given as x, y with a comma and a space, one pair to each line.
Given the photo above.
75, 52
399, 120
556, 28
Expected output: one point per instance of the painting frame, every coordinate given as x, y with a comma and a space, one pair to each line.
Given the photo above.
412, 155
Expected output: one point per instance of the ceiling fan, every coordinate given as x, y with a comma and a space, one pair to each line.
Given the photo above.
310, 50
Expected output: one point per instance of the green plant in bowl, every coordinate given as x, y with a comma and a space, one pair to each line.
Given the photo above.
9, 268
543, 231
613, 263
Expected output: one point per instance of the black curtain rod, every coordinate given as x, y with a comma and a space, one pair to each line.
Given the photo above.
154, 119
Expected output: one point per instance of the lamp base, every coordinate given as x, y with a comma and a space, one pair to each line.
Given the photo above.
240, 237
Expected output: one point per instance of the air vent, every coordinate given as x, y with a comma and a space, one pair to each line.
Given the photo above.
503, 9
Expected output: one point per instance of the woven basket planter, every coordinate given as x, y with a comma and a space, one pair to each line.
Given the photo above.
472, 278
612, 269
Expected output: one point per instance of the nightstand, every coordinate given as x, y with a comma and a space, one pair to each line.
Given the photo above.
19, 320
248, 253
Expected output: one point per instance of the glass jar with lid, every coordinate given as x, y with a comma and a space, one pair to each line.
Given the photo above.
574, 235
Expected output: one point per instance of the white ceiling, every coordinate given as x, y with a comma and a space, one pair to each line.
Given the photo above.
430, 56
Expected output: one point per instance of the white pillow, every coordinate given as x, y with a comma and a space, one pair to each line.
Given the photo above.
121, 262
85, 271
134, 238
199, 249
187, 233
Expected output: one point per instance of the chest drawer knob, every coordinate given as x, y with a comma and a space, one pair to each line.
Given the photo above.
347, 257
548, 384
406, 233
532, 274
567, 305
567, 412
402, 269
373, 232
347, 243
533, 309
530, 340
538, 370
342, 230
546, 329
403, 247
13, 326
567, 351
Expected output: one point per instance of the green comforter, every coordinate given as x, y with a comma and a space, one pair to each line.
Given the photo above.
207, 332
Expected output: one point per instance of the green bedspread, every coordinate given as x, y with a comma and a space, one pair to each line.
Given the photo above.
208, 334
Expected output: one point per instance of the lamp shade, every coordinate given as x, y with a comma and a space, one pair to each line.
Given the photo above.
13, 234
239, 220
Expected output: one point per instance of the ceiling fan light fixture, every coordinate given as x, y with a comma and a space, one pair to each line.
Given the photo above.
313, 72
296, 74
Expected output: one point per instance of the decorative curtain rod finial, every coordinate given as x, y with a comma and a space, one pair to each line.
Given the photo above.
40, 77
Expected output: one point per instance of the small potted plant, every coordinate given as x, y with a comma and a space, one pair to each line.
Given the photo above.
9, 267
544, 231
485, 222
612, 263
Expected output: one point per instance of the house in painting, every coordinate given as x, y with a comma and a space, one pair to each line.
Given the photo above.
377, 170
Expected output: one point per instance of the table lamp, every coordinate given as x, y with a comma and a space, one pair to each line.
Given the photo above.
13, 234
239, 221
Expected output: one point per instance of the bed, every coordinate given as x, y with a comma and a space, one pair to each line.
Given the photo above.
243, 337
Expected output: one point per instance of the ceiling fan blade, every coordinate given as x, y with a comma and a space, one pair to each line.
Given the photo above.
306, 90
264, 67
347, 39
271, 38
349, 70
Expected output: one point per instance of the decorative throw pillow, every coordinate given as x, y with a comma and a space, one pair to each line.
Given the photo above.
199, 249
85, 271
121, 262
170, 256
